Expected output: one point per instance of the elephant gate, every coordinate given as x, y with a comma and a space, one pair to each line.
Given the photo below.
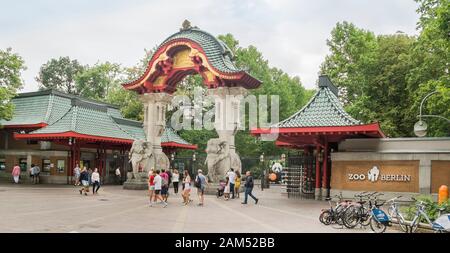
192, 51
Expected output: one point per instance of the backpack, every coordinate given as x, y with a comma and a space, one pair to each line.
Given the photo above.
198, 182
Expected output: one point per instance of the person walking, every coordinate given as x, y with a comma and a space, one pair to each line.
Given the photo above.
90, 176
226, 191
158, 186
186, 188
118, 176
237, 184
36, 173
164, 184
175, 180
31, 171
201, 183
151, 185
16, 173
84, 177
95, 181
249, 188
76, 174
232, 176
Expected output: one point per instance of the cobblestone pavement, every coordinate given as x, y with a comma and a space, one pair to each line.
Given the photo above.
50, 208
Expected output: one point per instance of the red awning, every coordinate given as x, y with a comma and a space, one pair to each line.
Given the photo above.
177, 145
71, 134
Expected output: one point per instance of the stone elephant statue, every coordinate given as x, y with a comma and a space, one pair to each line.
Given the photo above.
220, 159
141, 156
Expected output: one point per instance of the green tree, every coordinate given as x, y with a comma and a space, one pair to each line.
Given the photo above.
59, 74
351, 61
97, 81
11, 65
430, 56
130, 105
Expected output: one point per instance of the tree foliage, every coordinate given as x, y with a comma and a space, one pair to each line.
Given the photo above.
60, 74
11, 65
384, 78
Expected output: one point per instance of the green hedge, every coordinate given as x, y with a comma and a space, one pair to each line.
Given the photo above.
431, 208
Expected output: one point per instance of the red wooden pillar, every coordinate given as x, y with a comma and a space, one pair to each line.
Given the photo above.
318, 176
325, 183
104, 160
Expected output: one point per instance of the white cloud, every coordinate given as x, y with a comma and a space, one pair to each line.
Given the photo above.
290, 34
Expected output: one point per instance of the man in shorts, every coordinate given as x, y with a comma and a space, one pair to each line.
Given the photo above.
151, 185
164, 184
84, 177
201, 183
158, 185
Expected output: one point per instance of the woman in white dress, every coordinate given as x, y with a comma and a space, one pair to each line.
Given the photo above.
187, 188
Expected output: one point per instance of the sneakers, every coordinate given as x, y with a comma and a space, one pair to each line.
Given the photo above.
165, 204
256, 201
244, 203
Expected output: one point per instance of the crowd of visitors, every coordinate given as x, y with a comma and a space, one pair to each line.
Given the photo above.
160, 181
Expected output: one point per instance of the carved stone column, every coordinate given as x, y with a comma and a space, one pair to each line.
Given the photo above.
155, 106
227, 122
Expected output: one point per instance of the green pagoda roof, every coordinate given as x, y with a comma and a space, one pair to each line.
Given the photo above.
218, 53
323, 110
62, 113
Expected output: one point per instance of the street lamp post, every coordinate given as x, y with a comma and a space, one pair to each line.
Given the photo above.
172, 158
261, 159
420, 128
194, 158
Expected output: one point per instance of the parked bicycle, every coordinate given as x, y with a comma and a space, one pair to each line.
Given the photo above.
440, 225
357, 213
379, 220
334, 214
395, 214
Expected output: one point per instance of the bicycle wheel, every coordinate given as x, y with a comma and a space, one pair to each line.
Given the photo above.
392, 213
376, 226
350, 217
401, 222
364, 216
326, 217
414, 225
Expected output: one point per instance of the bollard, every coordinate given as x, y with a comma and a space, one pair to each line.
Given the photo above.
443, 194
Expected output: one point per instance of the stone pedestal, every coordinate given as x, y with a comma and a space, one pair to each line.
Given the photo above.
211, 189
138, 182
318, 194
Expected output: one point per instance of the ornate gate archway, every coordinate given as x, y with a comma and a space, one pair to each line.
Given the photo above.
193, 51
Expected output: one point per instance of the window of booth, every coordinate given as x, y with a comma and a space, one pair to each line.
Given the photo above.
61, 166
2, 164
23, 164
46, 165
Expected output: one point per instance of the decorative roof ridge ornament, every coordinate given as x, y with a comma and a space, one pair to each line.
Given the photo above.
186, 26
324, 81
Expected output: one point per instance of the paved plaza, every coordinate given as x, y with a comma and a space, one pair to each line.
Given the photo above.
49, 208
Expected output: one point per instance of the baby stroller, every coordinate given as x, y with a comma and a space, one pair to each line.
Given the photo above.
221, 188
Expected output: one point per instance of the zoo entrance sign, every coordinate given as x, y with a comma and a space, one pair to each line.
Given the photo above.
375, 175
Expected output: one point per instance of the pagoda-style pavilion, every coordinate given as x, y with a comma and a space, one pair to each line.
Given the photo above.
318, 127
72, 123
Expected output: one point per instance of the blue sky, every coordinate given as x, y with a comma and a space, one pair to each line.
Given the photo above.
291, 34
